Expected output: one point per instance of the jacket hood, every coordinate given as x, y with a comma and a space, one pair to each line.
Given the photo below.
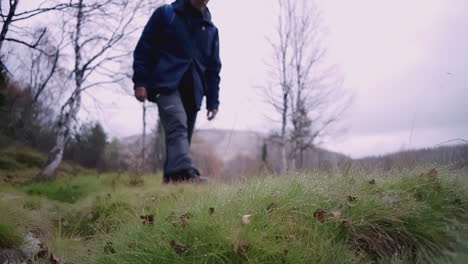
180, 6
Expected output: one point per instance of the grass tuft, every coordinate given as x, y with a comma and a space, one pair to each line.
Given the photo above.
9, 236
57, 192
314, 217
103, 217
10, 164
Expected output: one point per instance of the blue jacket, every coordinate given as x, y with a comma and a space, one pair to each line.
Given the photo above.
166, 50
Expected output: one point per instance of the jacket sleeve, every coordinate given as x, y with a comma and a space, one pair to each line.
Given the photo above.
143, 56
212, 76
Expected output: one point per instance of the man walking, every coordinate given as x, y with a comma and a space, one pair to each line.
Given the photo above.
176, 63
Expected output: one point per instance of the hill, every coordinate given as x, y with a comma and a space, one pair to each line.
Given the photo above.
234, 146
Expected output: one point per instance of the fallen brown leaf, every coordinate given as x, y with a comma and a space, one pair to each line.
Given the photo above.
184, 219
346, 222
320, 215
147, 219
351, 198
336, 214
54, 259
246, 219
178, 247
242, 248
186, 216
433, 173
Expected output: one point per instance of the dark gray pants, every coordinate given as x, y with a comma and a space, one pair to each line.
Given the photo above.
178, 120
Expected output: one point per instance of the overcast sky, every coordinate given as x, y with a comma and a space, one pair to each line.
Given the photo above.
405, 61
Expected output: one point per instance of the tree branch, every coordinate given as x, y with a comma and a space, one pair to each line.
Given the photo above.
34, 12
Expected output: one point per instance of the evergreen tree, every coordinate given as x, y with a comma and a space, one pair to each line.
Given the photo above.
87, 146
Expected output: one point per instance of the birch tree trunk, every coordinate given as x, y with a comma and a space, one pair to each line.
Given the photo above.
66, 118
69, 110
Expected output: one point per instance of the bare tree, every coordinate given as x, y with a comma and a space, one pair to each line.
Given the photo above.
311, 98
97, 28
42, 64
42, 49
30, 108
317, 98
39, 77
12, 16
282, 59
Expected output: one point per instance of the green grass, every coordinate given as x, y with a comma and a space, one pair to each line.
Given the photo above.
32, 203
17, 157
10, 164
103, 216
405, 219
314, 217
20, 164
9, 236
10, 232
58, 191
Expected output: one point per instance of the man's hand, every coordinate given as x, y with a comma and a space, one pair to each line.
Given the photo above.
211, 114
140, 93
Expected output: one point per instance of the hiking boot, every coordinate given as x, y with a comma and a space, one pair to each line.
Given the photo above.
191, 175
173, 178
199, 180
166, 180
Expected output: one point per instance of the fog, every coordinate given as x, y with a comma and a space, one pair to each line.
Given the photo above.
404, 61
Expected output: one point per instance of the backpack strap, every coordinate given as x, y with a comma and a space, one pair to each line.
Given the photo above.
169, 14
